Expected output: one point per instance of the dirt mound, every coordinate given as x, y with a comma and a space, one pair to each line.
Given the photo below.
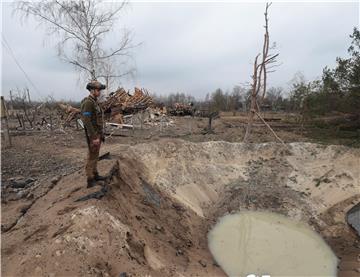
161, 198
197, 173
135, 228
308, 182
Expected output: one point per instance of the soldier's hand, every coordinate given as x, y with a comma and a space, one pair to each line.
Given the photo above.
96, 142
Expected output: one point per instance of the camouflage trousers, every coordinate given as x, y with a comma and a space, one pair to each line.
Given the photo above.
91, 162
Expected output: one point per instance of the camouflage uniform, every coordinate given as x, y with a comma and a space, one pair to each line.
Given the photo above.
92, 117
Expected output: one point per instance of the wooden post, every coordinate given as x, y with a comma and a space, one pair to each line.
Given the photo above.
209, 124
107, 86
161, 124
132, 123
190, 125
4, 116
22, 121
212, 116
18, 118
141, 119
11, 101
51, 122
28, 93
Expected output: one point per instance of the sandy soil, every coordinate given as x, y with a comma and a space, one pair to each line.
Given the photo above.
163, 196
134, 229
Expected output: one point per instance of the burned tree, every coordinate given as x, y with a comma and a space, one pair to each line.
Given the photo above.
259, 79
81, 27
28, 110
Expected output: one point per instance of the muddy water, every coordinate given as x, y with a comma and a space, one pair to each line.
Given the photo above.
264, 243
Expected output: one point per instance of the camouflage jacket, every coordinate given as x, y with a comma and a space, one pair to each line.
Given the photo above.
92, 116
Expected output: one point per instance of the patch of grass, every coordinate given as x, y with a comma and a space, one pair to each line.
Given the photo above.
333, 135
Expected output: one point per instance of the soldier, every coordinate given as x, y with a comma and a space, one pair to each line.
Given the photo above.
92, 117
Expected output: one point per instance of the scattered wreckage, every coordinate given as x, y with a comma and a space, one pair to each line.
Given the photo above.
180, 109
123, 110
117, 105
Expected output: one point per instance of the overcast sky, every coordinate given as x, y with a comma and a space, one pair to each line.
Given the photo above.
191, 47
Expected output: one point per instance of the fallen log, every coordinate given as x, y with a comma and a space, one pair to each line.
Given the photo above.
120, 126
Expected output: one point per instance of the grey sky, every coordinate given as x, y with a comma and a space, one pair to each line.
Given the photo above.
192, 47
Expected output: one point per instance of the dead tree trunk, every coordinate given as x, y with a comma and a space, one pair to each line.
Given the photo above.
253, 100
4, 117
212, 116
259, 80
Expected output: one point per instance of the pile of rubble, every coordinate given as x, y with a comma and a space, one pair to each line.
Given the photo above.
122, 110
122, 102
118, 104
180, 109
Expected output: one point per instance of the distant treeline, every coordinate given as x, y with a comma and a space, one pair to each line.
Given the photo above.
338, 90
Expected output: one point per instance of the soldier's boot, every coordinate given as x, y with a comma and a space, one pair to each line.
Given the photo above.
99, 177
91, 182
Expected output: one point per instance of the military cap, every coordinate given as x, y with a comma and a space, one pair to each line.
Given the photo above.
95, 85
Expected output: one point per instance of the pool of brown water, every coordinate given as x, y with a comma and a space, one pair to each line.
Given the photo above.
264, 243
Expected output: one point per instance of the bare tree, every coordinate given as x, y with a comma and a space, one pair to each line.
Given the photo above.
259, 78
29, 112
82, 26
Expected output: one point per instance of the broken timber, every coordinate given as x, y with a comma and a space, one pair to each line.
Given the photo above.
120, 126
118, 104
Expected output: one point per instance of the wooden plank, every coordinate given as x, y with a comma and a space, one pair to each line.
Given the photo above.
120, 126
